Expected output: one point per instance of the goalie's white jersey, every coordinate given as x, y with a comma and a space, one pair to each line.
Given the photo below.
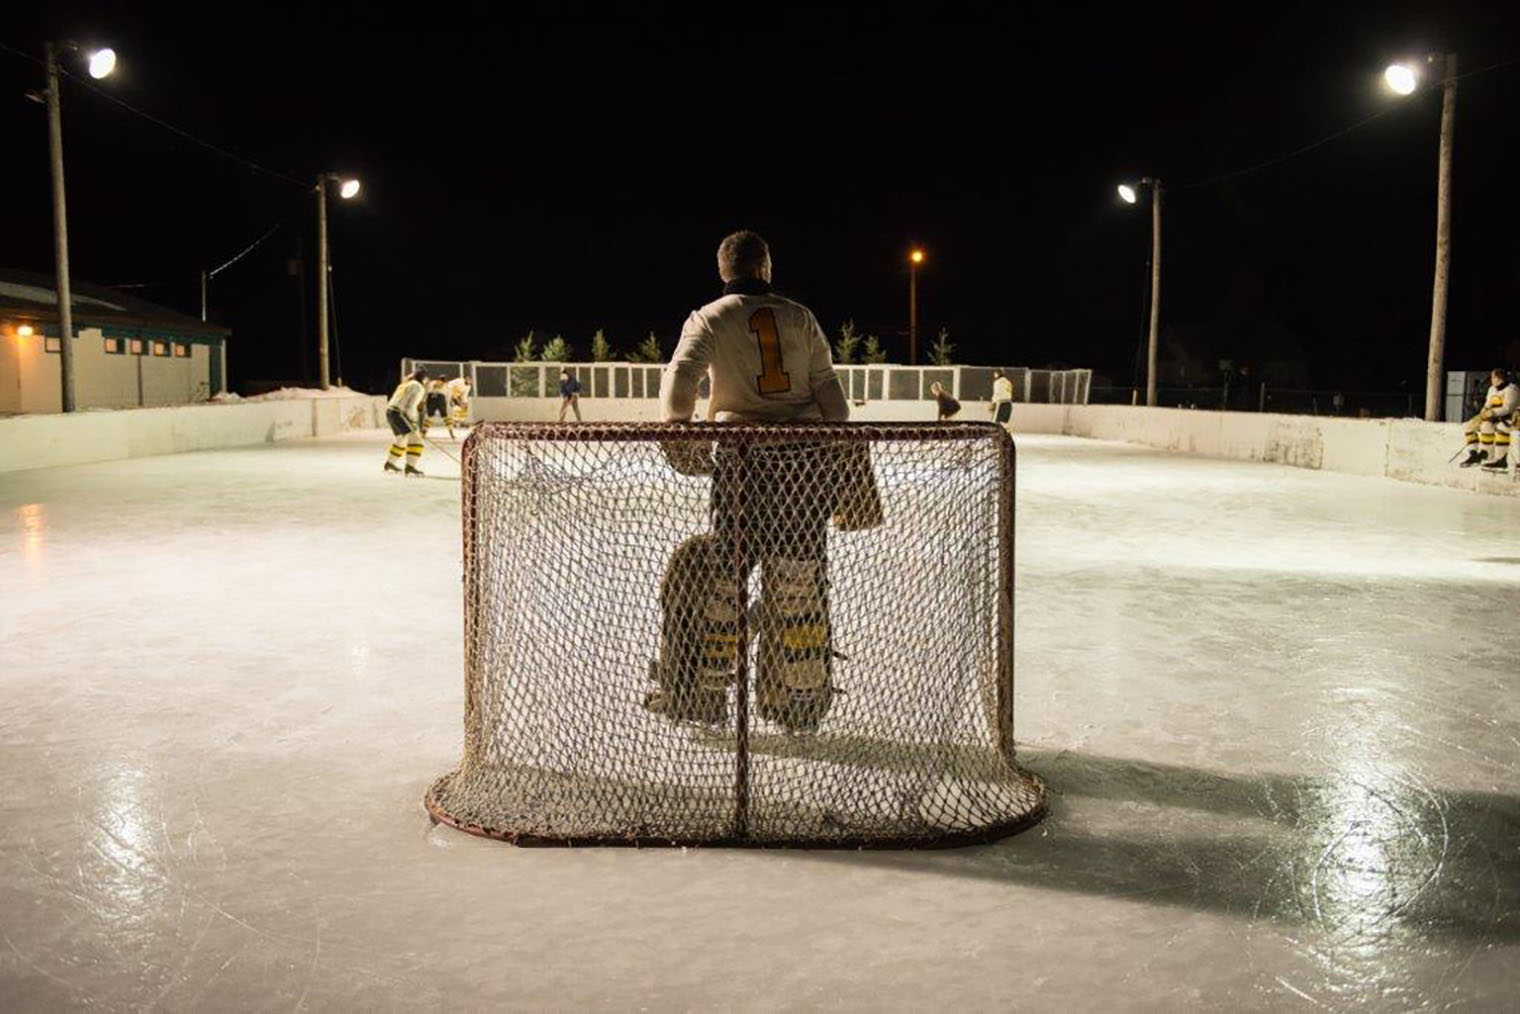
767, 354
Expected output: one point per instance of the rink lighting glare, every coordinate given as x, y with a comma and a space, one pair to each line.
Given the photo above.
1127, 193
917, 257
1401, 78
348, 188
102, 62
25, 330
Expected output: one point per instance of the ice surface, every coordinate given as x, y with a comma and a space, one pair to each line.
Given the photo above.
1277, 710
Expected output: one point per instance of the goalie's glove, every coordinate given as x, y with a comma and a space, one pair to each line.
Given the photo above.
857, 502
688, 457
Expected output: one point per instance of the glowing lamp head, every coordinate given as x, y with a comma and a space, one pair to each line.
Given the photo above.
102, 62
917, 256
348, 189
1127, 194
1401, 78
25, 331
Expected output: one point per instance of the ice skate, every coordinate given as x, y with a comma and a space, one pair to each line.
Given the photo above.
704, 707
796, 711
1474, 457
1497, 465
390, 466
413, 470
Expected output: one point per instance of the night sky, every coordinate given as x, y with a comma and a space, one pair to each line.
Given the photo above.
572, 166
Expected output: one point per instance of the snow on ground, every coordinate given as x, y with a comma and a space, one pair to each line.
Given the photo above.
290, 394
1277, 709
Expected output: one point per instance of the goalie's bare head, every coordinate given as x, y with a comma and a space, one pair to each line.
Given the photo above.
743, 255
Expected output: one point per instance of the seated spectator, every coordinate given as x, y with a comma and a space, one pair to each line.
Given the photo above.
1487, 434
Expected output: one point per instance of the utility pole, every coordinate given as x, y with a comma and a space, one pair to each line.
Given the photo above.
915, 258
913, 316
322, 363
203, 297
60, 232
1152, 339
1434, 371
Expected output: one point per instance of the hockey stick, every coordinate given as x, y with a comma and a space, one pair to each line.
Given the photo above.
442, 450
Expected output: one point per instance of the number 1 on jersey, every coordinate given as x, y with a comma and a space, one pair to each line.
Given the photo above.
773, 379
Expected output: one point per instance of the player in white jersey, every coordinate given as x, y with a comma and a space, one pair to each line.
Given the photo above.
1488, 433
769, 362
404, 414
458, 391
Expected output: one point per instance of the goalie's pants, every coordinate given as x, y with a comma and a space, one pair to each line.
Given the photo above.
1488, 435
407, 440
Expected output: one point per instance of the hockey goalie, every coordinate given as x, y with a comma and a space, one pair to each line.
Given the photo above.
769, 362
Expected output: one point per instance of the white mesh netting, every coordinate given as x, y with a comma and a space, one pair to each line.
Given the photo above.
794, 634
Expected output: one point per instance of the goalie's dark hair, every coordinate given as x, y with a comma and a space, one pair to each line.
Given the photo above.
742, 254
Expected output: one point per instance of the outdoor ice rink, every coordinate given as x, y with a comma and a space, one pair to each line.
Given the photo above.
1277, 710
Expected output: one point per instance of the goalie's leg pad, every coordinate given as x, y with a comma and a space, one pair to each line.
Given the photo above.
699, 634
793, 684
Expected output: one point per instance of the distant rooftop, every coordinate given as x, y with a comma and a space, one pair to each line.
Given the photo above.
33, 297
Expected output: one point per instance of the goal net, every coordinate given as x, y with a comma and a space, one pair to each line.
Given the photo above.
753, 634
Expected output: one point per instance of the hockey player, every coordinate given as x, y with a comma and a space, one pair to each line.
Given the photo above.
569, 395
769, 361
436, 405
458, 391
1488, 433
404, 413
1002, 398
945, 405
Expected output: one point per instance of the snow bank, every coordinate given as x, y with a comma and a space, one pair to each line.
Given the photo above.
300, 393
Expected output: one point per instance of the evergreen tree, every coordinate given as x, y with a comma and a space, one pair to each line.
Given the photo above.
601, 348
872, 353
648, 351
526, 351
524, 383
941, 351
844, 348
556, 350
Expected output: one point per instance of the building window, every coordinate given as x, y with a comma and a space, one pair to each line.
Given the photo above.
181, 350
52, 344
115, 346
135, 346
160, 348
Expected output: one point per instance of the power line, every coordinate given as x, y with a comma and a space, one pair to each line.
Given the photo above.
1358, 125
186, 135
1269, 163
249, 248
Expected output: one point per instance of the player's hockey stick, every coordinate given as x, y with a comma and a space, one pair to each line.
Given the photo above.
442, 449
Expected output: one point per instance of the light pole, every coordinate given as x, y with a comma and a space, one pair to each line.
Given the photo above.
915, 258
101, 63
1403, 79
1129, 195
347, 189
